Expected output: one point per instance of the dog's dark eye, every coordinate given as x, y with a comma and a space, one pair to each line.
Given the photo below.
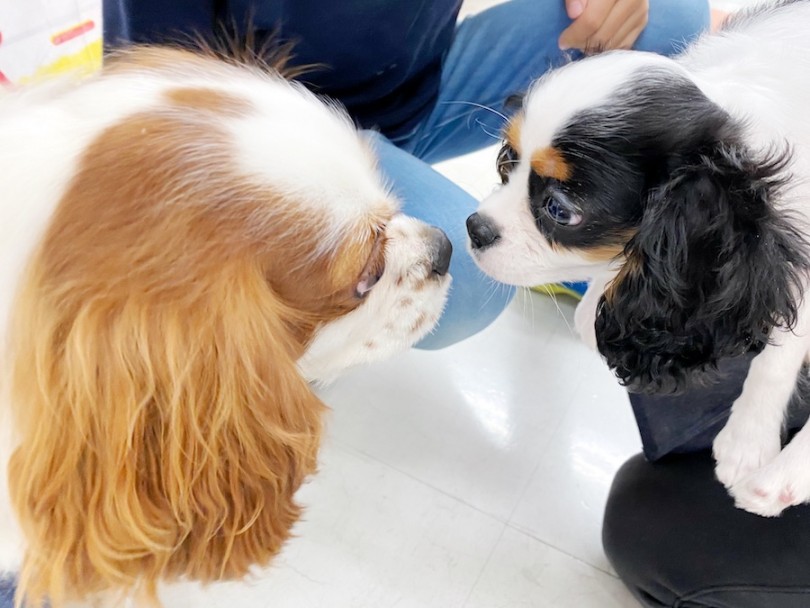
367, 281
557, 207
507, 159
375, 267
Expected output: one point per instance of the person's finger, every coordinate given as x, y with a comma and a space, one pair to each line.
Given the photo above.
576, 35
622, 27
626, 43
575, 8
626, 39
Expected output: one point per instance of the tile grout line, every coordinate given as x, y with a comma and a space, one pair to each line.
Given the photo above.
526, 531
505, 523
530, 534
358, 452
504, 520
484, 566
543, 452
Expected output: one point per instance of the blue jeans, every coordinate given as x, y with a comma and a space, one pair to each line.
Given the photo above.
495, 54
7, 588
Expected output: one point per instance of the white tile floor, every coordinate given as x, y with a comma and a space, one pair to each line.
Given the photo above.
472, 477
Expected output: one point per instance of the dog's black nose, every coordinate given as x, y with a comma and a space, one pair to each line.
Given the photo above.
441, 250
482, 231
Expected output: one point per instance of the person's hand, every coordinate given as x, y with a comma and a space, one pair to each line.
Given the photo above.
604, 24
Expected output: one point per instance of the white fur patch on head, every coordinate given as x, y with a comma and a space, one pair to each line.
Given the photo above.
310, 151
559, 95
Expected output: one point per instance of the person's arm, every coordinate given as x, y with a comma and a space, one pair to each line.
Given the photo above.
604, 24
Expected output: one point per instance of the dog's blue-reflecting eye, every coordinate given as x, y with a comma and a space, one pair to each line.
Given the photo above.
560, 209
507, 159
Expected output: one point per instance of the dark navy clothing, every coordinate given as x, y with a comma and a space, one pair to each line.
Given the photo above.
381, 58
689, 422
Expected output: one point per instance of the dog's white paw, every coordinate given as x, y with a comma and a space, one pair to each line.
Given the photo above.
742, 447
776, 486
585, 323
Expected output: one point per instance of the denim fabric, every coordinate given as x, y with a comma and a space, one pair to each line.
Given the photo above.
7, 587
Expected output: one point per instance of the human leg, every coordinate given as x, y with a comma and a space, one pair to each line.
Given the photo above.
475, 300
675, 538
500, 51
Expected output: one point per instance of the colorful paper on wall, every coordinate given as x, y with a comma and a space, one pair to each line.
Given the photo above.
40, 38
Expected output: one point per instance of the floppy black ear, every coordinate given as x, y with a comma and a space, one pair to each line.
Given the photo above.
713, 268
514, 102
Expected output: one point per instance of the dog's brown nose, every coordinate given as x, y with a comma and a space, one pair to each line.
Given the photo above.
482, 231
441, 250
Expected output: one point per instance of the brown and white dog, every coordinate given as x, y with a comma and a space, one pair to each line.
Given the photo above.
185, 243
680, 187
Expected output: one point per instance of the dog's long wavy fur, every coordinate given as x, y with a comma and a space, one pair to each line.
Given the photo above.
191, 469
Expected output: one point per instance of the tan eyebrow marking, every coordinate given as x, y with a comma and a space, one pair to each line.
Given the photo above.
549, 162
632, 267
603, 253
512, 132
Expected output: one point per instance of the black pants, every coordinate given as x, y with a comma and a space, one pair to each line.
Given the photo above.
671, 530
675, 538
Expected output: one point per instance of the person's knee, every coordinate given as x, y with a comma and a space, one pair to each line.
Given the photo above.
674, 537
476, 303
620, 535
632, 533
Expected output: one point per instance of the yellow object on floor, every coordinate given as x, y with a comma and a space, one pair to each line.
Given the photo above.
572, 290
40, 38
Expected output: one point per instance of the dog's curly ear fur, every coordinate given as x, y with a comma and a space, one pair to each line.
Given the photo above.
711, 271
161, 435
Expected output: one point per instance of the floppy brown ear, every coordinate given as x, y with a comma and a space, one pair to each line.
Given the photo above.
161, 433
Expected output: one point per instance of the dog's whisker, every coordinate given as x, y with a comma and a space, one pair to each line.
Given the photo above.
556, 302
528, 300
493, 290
494, 136
479, 106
